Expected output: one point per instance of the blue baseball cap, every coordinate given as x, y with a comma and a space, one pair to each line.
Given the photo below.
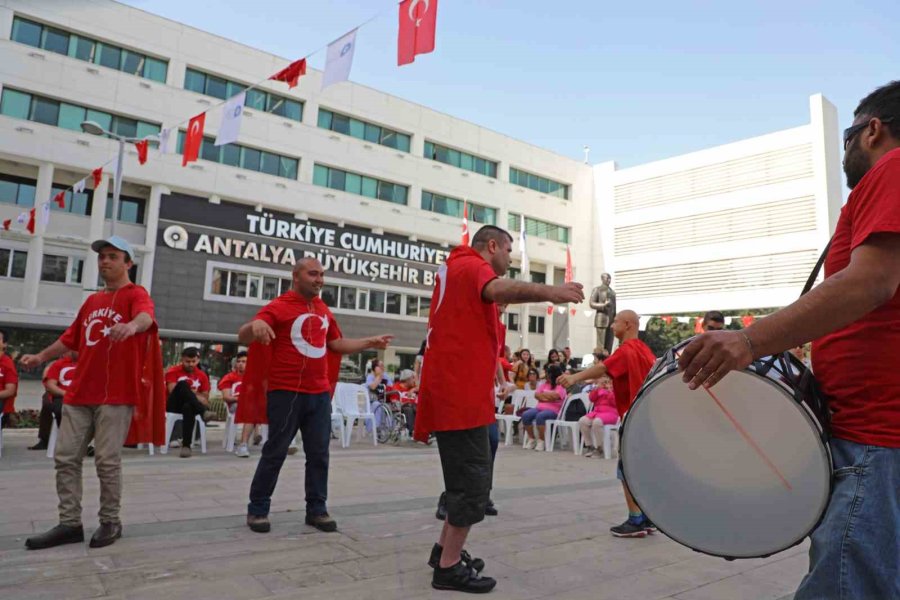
116, 242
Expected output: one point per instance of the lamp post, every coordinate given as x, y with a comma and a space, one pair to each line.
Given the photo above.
95, 128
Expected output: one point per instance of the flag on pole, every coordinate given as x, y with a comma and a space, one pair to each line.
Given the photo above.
339, 59
98, 176
30, 225
6, 224
698, 325
230, 127
465, 225
22, 218
45, 214
193, 139
141, 147
60, 199
523, 248
291, 74
78, 188
570, 271
165, 137
418, 21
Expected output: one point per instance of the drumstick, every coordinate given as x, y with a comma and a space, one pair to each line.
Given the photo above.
749, 439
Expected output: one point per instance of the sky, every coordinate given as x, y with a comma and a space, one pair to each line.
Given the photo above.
634, 81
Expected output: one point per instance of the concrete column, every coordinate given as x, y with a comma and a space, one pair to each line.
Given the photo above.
97, 231
417, 144
152, 216
550, 319
826, 150
175, 74
6, 21
36, 244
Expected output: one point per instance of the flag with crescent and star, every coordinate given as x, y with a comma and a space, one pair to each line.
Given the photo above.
465, 225
193, 138
418, 23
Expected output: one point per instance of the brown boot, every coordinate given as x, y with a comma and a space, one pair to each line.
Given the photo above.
259, 523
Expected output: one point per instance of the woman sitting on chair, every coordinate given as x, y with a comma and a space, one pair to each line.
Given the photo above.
550, 397
603, 413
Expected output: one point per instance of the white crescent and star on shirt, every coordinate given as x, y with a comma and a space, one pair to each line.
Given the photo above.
63, 376
88, 332
303, 345
195, 383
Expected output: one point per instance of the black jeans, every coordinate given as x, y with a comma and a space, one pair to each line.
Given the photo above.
183, 400
51, 407
288, 412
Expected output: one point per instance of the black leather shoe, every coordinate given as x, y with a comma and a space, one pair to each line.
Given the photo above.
259, 523
434, 561
41, 445
106, 534
59, 535
322, 522
490, 510
441, 512
460, 578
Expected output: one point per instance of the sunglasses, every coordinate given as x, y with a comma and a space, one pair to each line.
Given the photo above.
852, 131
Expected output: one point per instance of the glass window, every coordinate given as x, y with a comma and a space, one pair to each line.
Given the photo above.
362, 299
254, 282
369, 187
467, 161
15, 104
145, 129
385, 191
195, 81
392, 304
329, 295
54, 268
357, 128
26, 32
109, 56
237, 285
538, 277
231, 155
209, 151
55, 41
402, 142
324, 118
79, 204
233, 88
4, 262
155, 69
76, 270
275, 105
45, 111
19, 260
429, 150
70, 116
286, 285
269, 163
293, 110
376, 301
216, 87
219, 282
373, 134
128, 211
8, 192
250, 159
255, 99
125, 126
26, 195
424, 305
348, 297
82, 48
103, 119
320, 175
400, 194
341, 124
288, 167
412, 306
353, 183
132, 62
270, 287
337, 179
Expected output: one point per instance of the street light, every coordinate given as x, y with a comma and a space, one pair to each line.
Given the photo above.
95, 128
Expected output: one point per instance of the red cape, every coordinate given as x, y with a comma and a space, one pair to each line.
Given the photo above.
148, 422
251, 407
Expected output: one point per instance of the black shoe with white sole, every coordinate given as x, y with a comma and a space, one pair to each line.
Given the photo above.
460, 578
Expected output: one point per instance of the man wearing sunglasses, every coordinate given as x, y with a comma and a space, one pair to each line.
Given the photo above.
854, 319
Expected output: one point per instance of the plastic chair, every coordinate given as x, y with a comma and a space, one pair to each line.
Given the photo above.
199, 430
347, 402
231, 429
519, 399
337, 419
554, 425
608, 431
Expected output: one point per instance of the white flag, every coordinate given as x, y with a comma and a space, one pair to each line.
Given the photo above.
165, 136
230, 128
523, 248
78, 188
22, 218
339, 59
45, 214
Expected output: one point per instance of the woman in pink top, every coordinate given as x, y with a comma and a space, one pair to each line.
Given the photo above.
604, 412
550, 399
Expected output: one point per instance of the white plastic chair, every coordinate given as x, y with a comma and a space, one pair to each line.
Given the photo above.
519, 399
608, 446
199, 430
337, 419
554, 425
231, 430
347, 398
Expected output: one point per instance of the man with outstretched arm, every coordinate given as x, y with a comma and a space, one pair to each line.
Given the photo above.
456, 395
292, 369
853, 316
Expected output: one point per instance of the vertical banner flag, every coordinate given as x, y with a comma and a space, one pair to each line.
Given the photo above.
60, 199
141, 150
570, 271
193, 138
98, 176
418, 21
45, 214
165, 136
339, 59
465, 225
6, 224
30, 225
230, 127
78, 188
291, 74
523, 263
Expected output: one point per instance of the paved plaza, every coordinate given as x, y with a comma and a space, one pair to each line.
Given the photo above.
185, 535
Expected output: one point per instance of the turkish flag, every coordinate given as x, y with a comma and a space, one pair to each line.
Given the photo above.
193, 139
98, 176
465, 225
667, 319
747, 320
60, 199
30, 226
418, 22
141, 150
698, 325
570, 271
291, 74
549, 310
6, 224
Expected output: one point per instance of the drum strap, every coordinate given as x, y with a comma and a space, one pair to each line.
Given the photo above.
815, 272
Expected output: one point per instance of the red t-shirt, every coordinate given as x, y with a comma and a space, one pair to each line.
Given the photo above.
460, 363
8, 374
628, 367
856, 366
63, 372
198, 380
303, 329
108, 372
232, 381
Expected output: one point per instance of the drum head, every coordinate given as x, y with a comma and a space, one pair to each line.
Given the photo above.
705, 486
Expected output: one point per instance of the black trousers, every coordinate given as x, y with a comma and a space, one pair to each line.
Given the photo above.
183, 400
51, 407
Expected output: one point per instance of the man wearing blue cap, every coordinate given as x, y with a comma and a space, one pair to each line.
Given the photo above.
115, 336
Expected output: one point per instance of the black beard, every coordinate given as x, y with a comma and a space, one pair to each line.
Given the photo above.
855, 166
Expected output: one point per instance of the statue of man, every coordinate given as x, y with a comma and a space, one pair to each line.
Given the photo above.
603, 300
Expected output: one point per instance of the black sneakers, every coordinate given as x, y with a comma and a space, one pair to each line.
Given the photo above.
649, 526
322, 522
629, 530
491, 509
59, 535
434, 561
461, 578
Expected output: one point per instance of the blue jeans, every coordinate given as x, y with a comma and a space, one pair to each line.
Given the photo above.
493, 439
536, 416
288, 412
856, 549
